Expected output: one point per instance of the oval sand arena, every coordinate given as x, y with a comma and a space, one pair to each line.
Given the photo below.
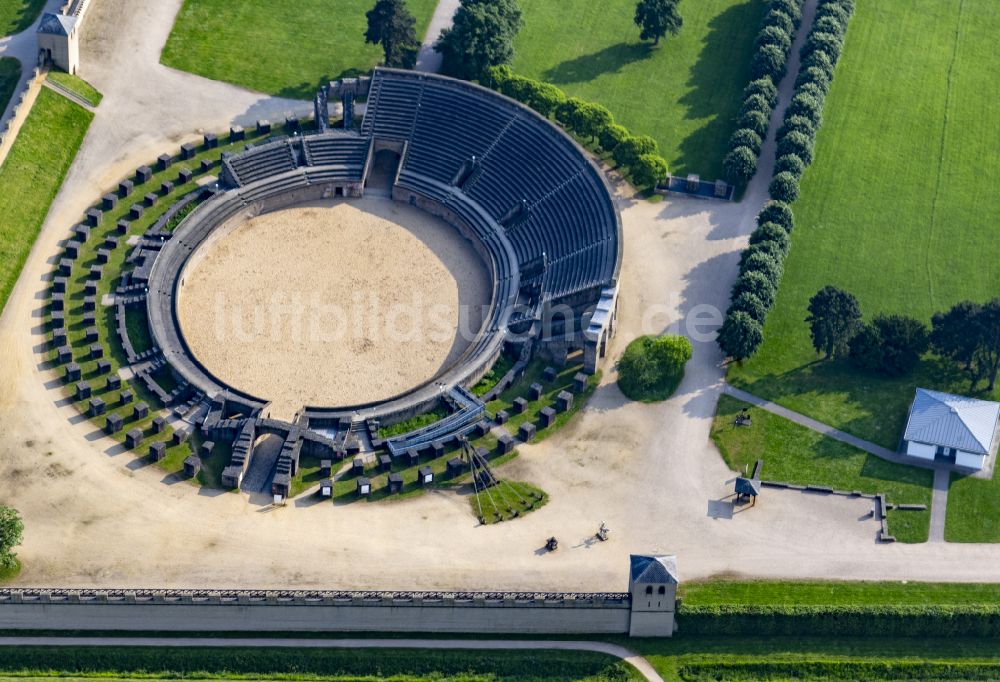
332, 303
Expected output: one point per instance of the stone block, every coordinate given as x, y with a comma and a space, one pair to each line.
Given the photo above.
527, 432
519, 405
263, 126
114, 382
103, 366
206, 165
425, 476
59, 284
83, 390
64, 354
89, 303
181, 435
125, 188
159, 424
535, 391
121, 227
564, 401
163, 161
502, 417
133, 438
57, 319
236, 133
184, 176
57, 302
65, 266
364, 486
127, 396
140, 411
547, 417
73, 372
96, 351
143, 174
166, 187
91, 334
505, 443
455, 467
192, 466
580, 382
95, 217
157, 450
385, 462
96, 407
206, 448
111, 243
211, 140
549, 374
358, 467
135, 211
395, 482
72, 249
113, 424
188, 150
150, 199
103, 256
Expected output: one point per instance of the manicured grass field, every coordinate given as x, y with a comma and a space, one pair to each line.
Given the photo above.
795, 454
10, 73
77, 86
685, 92
973, 510
829, 593
17, 15
899, 207
275, 47
402, 665
31, 176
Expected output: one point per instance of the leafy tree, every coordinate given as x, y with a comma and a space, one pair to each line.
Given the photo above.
819, 60
772, 35
740, 335
751, 305
391, 25
744, 137
834, 319
784, 187
798, 124
831, 43
797, 143
768, 248
777, 212
793, 8
806, 105
986, 361
590, 119
758, 284
814, 75
656, 18
889, 344
756, 103
834, 11
545, 98
756, 260
764, 87
740, 164
756, 121
11, 530
829, 24
955, 333
631, 148
781, 20
771, 233
649, 170
496, 76
652, 367
769, 60
612, 136
812, 89
566, 111
790, 163
481, 35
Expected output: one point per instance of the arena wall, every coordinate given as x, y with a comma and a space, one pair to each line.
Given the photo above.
344, 612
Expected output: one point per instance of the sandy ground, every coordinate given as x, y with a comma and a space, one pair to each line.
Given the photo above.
96, 517
333, 303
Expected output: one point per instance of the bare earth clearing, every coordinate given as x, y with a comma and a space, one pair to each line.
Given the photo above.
332, 303
97, 516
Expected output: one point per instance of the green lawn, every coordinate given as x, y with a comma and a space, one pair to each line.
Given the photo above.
795, 454
685, 92
400, 665
973, 510
833, 593
10, 73
275, 47
77, 86
17, 15
31, 176
899, 207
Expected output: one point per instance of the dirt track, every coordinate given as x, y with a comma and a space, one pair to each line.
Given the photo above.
333, 303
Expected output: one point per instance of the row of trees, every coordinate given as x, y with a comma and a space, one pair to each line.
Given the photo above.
774, 40
639, 154
762, 263
968, 334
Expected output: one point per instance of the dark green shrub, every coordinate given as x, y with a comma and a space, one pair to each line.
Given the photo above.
796, 143
797, 123
755, 260
495, 76
567, 111
740, 164
772, 249
652, 367
792, 8
756, 121
762, 86
612, 136
784, 187
777, 212
740, 335
769, 60
772, 35
806, 105
755, 103
780, 20
790, 164
744, 137
815, 76
758, 284
545, 98
838, 13
771, 233
751, 305
811, 89
590, 119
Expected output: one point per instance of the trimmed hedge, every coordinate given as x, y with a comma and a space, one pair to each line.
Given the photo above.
774, 41
795, 142
638, 154
894, 670
980, 620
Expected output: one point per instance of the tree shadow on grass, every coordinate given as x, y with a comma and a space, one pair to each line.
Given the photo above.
587, 67
724, 59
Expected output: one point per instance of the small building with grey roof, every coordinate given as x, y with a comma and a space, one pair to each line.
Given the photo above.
951, 429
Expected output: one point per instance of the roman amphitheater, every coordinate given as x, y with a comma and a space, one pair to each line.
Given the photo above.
235, 298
